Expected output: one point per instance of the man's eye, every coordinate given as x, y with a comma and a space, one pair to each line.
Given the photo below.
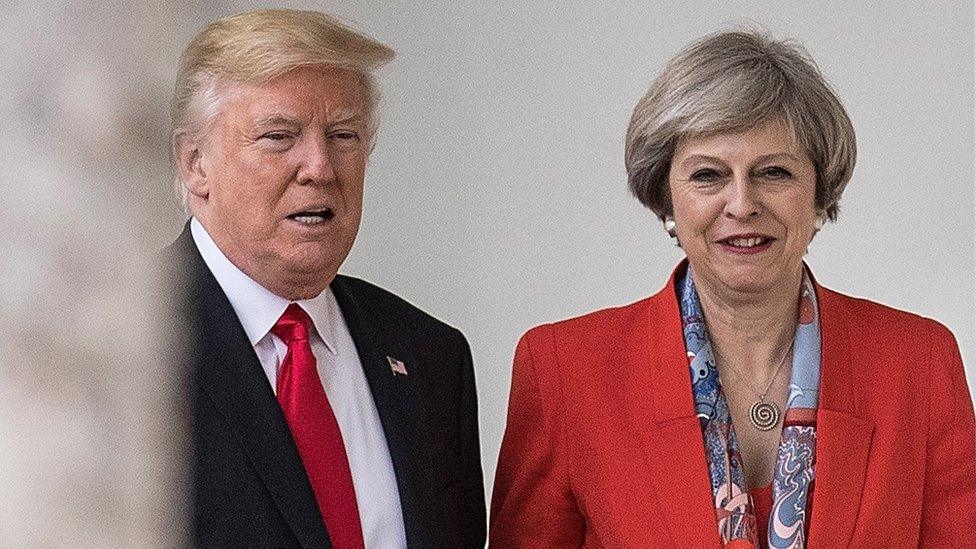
345, 135
275, 136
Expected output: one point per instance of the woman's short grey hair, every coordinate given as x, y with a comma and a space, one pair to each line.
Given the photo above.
257, 46
731, 82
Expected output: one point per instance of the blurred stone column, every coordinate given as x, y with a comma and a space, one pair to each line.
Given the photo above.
92, 423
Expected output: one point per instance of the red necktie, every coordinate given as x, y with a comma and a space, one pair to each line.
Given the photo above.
316, 432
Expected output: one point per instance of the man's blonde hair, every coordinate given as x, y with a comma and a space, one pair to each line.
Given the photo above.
257, 46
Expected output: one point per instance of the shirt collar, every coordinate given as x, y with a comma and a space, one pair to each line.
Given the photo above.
257, 307
323, 309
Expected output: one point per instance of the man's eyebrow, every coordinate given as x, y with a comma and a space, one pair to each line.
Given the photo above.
340, 116
277, 119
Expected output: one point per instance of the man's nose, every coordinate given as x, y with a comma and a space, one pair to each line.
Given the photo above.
317, 166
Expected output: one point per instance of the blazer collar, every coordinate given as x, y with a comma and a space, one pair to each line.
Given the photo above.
227, 369
844, 433
661, 408
661, 405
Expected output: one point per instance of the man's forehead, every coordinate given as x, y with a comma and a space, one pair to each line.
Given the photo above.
284, 116
328, 88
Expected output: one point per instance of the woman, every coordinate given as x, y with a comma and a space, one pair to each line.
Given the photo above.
743, 405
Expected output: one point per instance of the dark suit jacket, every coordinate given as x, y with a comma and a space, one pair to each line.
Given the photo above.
249, 486
603, 447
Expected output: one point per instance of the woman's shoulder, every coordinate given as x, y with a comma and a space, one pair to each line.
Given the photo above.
597, 324
606, 339
583, 359
883, 323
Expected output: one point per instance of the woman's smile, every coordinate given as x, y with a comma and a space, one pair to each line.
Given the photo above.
744, 199
746, 244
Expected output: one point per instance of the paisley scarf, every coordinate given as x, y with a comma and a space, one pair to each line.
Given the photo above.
794, 474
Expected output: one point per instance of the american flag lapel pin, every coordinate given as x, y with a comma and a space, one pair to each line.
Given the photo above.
396, 366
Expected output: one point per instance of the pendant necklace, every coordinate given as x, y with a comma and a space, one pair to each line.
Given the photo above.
763, 415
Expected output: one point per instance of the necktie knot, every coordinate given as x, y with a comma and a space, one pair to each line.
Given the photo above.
293, 325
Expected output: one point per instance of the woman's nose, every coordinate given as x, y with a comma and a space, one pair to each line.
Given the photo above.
743, 201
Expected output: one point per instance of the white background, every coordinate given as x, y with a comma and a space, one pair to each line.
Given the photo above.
496, 200
497, 194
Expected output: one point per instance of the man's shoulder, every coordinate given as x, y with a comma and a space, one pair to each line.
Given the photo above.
385, 306
180, 258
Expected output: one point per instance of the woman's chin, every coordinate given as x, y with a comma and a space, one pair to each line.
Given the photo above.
757, 288
755, 281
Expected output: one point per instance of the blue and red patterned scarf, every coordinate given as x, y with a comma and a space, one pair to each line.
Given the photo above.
794, 475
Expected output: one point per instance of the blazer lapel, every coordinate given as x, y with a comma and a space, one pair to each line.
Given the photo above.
228, 371
396, 399
843, 435
661, 408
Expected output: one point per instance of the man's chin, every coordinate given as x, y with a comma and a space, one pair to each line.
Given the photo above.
311, 270
301, 277
300, 287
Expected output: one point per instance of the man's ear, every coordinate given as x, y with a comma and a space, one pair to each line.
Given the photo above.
190, 161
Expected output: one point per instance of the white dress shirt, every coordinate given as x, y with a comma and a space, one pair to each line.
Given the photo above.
342, 378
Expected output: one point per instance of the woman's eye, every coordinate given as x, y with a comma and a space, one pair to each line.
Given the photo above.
705, 175
776, 172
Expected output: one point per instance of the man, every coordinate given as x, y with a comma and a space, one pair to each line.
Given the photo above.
326, 411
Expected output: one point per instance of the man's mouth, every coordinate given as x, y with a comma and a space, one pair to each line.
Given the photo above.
312, 217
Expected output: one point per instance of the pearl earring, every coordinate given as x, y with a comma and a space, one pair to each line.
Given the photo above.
669, 226
819, 222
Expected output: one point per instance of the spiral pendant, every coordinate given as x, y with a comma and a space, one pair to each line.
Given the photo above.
764, 415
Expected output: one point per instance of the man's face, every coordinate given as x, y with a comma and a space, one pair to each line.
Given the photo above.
280, 184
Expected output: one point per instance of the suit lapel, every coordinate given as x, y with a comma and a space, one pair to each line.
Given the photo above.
395, 396
228, 371
661, 408
843, 435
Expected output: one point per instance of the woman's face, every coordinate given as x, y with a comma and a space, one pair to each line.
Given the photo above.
744, 207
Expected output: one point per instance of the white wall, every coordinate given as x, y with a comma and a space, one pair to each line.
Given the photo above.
496, 196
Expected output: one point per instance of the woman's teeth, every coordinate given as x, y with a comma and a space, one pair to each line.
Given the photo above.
746, 242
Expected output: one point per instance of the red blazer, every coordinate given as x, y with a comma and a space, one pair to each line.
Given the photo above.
603, 449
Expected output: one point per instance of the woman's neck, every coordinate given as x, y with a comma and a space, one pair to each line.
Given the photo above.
752, 331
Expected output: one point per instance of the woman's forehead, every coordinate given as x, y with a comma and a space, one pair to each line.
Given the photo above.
773, 137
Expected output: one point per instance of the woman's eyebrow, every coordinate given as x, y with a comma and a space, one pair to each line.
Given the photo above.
695, 158
701, 158
774, 156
